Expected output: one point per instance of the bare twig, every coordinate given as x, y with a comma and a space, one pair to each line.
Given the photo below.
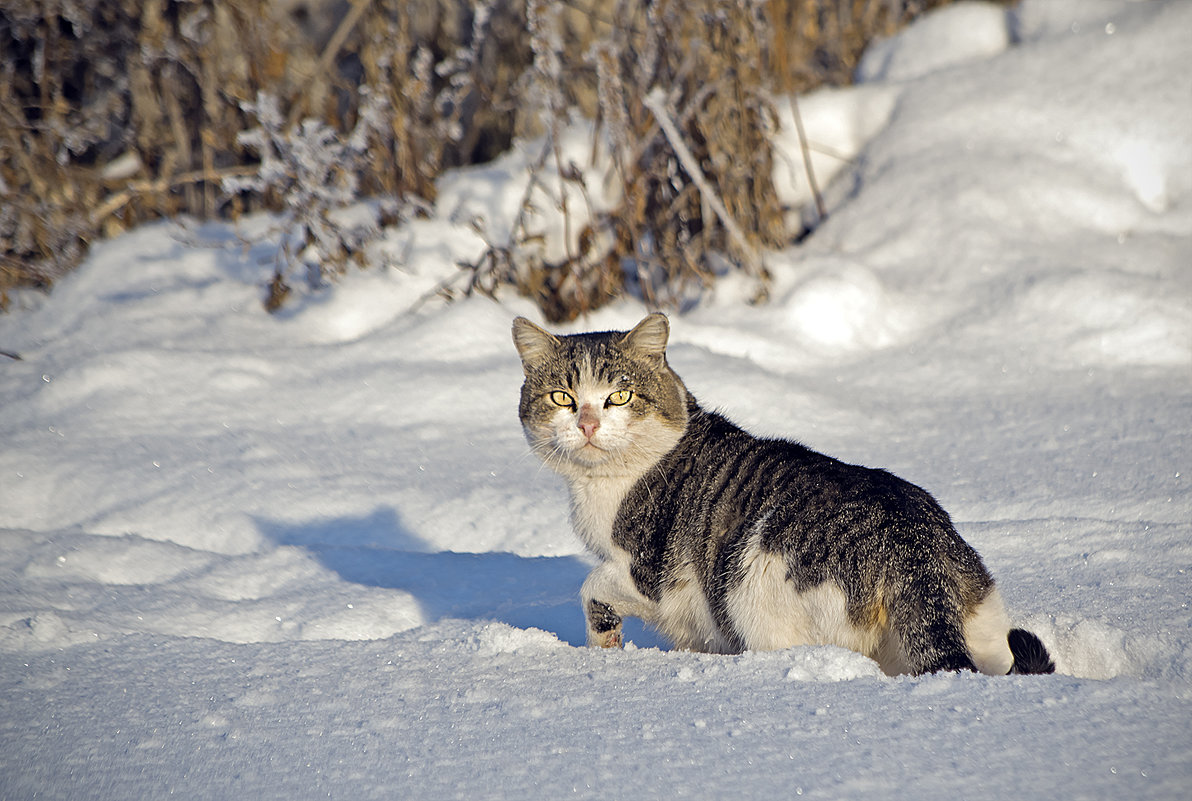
116, 201
358, 7
653, 101
805, 149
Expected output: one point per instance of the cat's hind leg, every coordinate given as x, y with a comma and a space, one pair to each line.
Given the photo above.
608, 596
986, 628
988, 643
927, 632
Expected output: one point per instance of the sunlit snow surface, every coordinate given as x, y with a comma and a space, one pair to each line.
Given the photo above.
310, 556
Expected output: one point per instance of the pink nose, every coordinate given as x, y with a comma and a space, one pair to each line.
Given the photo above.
588, 421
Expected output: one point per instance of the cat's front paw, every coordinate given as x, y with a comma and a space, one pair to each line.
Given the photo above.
604, 625
607, 639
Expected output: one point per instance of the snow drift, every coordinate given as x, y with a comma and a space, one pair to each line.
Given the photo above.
310, 556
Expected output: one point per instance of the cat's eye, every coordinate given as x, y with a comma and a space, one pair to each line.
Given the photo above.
559, 398
620, 397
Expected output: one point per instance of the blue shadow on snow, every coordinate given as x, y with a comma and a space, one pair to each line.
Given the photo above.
379, 551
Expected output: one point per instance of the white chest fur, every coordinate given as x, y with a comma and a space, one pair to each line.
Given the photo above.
594, 505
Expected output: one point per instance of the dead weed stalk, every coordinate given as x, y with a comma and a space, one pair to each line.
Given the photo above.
116, 112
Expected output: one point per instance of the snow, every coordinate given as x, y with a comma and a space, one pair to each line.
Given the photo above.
954, 35
309, 555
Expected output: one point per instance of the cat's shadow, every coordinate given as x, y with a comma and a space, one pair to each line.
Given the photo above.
378, 550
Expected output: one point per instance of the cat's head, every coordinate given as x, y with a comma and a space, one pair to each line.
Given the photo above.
600, 403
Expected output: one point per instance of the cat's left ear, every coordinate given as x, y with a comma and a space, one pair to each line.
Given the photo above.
649, 336
534, 344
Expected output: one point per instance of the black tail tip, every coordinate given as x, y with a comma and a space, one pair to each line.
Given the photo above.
1030, 655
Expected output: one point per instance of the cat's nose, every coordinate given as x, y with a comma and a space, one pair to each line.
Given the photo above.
589, 421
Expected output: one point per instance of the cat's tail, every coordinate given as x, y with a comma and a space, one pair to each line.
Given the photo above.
1030, 655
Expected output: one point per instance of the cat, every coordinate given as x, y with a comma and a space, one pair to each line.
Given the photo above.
727, 542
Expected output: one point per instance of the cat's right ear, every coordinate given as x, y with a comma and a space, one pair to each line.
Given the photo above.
534, 344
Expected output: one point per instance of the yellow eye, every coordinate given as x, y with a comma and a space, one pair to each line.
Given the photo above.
559, 398
620, 397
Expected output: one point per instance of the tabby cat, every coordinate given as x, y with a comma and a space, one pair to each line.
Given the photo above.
728, 542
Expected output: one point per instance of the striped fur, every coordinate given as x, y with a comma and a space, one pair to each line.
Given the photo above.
727, 542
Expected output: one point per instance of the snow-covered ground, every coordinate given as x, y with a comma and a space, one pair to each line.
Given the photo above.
309, 555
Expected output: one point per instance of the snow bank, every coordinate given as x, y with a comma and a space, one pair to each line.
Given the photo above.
963, 33
310, 555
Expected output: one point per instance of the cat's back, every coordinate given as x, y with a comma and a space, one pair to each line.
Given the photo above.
720, 463
721, 486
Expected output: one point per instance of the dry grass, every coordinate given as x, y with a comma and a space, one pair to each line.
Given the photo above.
115, 112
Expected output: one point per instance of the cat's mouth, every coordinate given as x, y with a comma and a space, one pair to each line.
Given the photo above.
590, 453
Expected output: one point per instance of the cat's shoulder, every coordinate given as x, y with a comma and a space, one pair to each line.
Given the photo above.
710, 431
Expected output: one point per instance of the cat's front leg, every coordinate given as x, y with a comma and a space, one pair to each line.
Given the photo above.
609, 595
604, 625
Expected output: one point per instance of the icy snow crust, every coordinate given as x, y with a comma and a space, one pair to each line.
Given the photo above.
310, 556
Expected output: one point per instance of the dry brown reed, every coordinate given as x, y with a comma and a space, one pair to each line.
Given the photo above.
116, 112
